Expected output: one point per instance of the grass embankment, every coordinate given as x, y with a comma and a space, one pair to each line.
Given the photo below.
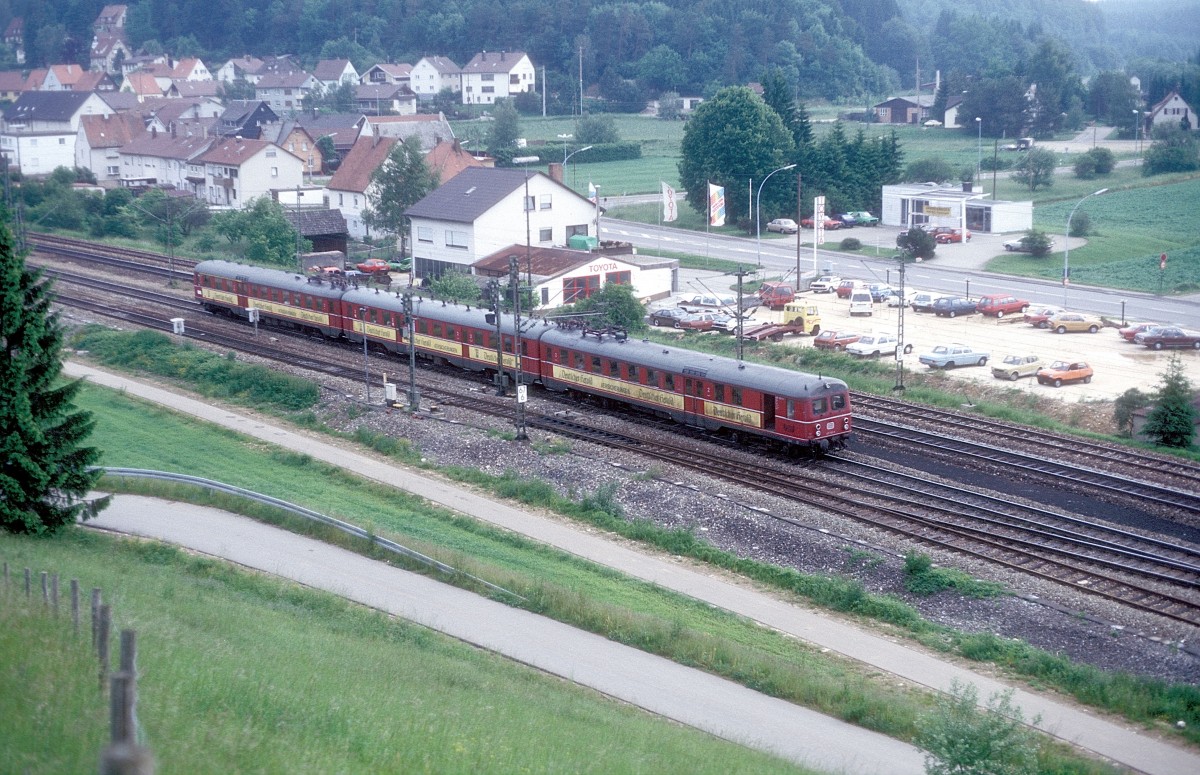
244, 673
138, 436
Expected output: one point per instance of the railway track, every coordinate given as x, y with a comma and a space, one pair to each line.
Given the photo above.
1137, 570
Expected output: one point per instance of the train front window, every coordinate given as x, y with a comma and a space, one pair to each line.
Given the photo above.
839, 402
819, 406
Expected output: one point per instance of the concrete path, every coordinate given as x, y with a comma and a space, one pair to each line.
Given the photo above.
1115, 740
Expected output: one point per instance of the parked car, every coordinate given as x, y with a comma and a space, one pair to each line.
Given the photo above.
1129, 332
830, 223
953, 306
783, 226
880, 291
1073, 323
705, 301
1061, 372
1168, 336
373, 265
949, 356
825, 284
875, 345
1013, 367
861, 302
1039, 317
861, 218
1000, 304
922, 301
834, 340
1021, 245
897, 300
703, 321
847, 220
946, 234
401, 264
846, 287
667, 316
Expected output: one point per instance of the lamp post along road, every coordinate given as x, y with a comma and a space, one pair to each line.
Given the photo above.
1067, 244
567, 157
758, 210
979, 148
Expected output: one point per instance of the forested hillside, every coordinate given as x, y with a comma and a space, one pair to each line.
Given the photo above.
842, 50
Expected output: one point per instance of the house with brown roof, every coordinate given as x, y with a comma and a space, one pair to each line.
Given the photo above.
904, 110
164, 160
237, 171
387, 72
296, 140
109, 53
12, 85
100, 140
562, 276
332, 73
142, 84
14, 38
348, 189
448, 158
493, 75
111, 19
63, 78
40, 128
343, 129
385, 99
432, 74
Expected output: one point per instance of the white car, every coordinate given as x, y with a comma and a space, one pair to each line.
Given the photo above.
873, 345
824, 284
704, 302
1021, 245
896, 300
783, 226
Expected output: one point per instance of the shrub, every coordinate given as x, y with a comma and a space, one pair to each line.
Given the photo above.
922, 170
851, 243
1081, 224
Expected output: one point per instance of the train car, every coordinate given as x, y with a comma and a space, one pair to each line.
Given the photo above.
285, 299
696, 389
469, 337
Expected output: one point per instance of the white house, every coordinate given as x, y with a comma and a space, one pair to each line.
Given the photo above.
285, 92
387, 72
332, 73
238, 171
493, 75
100, 140
1171, 110
41, 127
928, 205
164, 160
483, 209
561, 276
349, 188
431, 75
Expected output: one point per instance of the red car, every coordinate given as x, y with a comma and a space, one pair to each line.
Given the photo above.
1000, 304
1039, 317
944, 235
373, 265
1060, 372
1129, 332
846, 287
830, 223
834, 340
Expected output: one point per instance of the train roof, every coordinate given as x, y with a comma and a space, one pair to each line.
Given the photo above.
715, 368
292, 281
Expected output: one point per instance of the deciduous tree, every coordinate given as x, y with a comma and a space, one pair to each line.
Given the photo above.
396, 185
505, 129
1036, 169
45, 469
959, 739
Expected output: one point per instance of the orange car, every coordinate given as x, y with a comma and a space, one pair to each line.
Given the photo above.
1061, 371
373, 265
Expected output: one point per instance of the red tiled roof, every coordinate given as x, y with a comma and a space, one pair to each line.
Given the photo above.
366, 156
232, 151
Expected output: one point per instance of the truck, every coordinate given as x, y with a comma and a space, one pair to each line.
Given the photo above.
797, 317
1023, 144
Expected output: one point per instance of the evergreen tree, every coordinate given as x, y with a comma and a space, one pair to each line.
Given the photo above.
44, 471
1172, 421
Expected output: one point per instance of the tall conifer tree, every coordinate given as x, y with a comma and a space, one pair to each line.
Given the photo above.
44, 469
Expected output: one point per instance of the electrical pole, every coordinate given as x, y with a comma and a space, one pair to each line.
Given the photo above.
741, 312
414, 399
899, 386
514, 279
494, 295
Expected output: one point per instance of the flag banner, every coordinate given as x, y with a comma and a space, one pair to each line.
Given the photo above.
716, 205
669, 211
591, 192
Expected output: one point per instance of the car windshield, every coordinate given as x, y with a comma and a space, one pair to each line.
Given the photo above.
1058, 365
941, 349
866, 340
1014, 359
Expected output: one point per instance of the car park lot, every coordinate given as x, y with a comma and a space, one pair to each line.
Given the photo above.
1118, 365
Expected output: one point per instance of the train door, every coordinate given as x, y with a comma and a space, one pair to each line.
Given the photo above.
768, 411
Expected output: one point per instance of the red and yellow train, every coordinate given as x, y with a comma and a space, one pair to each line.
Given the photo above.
786, 407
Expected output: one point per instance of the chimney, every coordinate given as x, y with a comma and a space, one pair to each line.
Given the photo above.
556, 171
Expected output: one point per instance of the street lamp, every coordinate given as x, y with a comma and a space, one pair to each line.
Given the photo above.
979, 149
1067, 244
567, 156
362, 313
758, 211
1137, 134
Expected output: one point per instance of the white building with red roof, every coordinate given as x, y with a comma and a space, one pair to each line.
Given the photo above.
237, 171
349, 188
493, 75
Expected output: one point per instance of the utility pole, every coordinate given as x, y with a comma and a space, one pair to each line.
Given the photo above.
899, 386
514, 279
414, 399
741, 312
494, 295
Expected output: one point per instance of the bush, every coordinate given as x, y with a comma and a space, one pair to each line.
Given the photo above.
1081, 224
922, 170
995, 163
1097, 161
851, 243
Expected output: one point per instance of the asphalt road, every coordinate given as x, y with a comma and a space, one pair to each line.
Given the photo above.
689, 696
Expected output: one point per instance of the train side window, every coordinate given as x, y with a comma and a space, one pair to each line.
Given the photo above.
614, 369
670, 380
633, 374
838, 401
595, 364
819, 406
699, 391
577, 360
508, 344
736, 398
524, 347
652, 377
719, 393
477, 338
791, 409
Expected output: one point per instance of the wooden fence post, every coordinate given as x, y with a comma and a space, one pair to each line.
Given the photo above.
28, 583
124, 756
102, 642
54, 593
95, 614
75, 606
45, 589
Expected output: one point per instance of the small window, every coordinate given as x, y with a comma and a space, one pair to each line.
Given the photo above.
719, 393
545, 235
791, 409
614, 370
819, 406
670, 382
424, 233
652, 377
545, 201
595, 364
736, 397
